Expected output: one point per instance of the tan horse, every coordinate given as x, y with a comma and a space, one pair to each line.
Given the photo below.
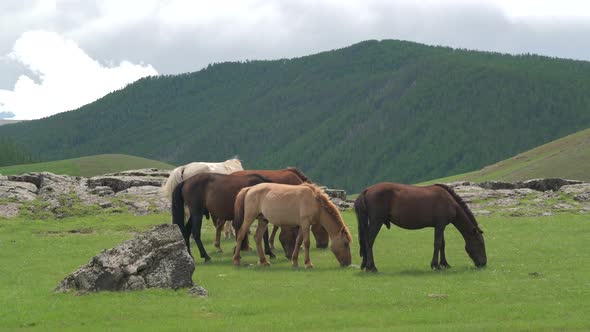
287, 205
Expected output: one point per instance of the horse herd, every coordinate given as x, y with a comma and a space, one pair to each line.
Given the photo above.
225, 192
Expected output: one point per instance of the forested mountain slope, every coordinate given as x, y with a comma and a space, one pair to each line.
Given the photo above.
374, 111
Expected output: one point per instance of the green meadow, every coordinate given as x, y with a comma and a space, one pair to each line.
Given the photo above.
87, 166
538, 278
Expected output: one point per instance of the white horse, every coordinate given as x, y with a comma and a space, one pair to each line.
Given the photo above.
182, 173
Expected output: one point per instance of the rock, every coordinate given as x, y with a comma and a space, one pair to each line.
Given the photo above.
495, 185
473, 193
153, 259
102, 191
9, 210
552, 184
342, 204
576, 188
153, 172
562, 206
198, 291
17, 191
584, 197
506, 202
335, 193
481, 212
119, 183
458, 183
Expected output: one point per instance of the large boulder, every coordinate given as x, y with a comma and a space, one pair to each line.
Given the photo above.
153, 259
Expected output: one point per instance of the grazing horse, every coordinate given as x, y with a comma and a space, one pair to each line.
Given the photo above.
184, 172
207, 193
286, 205
288, 234
414, 207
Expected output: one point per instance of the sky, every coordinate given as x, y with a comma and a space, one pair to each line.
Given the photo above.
58, 55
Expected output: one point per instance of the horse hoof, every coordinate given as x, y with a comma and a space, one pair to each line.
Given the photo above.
236, 262
271, 255
265, 263
445, 266
309, 266
220, 251
295, 264
207, 259
371, 269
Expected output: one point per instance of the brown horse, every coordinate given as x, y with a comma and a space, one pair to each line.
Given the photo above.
204, 194
288, 235
288, 205
414, 207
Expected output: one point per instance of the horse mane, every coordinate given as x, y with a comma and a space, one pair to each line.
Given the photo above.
462, 204
299, 174
327, 204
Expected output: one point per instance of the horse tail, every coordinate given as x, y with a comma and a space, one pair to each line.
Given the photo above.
461, 203
171, 183
239, 208
300, 174
362, 216
178, 208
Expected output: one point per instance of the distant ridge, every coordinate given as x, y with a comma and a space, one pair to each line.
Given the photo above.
87, 166
375, 111
567, 157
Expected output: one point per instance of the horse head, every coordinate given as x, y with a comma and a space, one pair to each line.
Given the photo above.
475, 247
341, 247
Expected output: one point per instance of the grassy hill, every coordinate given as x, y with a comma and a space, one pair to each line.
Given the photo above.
374, 111
87, 166
567, 157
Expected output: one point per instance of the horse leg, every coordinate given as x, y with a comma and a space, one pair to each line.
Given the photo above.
271, 240
298, 241
267, 249
438, 233
374, 229
229, 230
242, 233
443, 259
186, 234
218, 228
196, 221
306, 243
258, 237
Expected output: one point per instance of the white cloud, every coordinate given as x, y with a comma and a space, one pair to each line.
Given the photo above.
67, 77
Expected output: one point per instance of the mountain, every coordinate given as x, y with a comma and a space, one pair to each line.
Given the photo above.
87, 166
567, 157
374, 111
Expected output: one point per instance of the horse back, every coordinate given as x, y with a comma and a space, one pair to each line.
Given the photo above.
408, 206
283, 176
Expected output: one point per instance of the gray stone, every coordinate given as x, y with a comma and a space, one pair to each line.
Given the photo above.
153, 259
18, 191
119, 183
481, 212
102, 191
553, 184
495, 185
198, 291
9, 210
584, 197
580, 188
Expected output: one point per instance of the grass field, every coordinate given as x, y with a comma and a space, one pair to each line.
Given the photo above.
538, 278
88, 166
567, 157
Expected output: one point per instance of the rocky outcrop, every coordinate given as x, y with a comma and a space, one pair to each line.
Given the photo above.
538, 197
136, 191
153, 259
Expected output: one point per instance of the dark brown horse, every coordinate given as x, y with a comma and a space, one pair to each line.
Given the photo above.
288, 234
205, 194
413, 207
